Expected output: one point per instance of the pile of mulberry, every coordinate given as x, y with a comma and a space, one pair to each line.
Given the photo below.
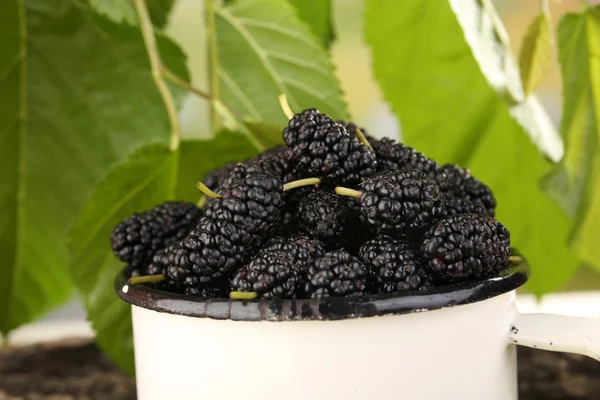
363, 217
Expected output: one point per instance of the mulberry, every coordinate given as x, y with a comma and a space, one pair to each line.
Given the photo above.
393, 156
455, 205
461, 247
320, 147
399, 203
303, 249
253, 203
327, 217
207, 256
272, 274
215, 178
338, 273
458, 182
139, 237
393, 265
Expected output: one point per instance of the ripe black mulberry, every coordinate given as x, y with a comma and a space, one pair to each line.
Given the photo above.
394, 265
338, 273
139, 237
460, 247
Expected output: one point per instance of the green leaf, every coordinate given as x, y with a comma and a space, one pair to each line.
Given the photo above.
198, 157
77, 95
422, 60
145, 179
536, 51
265, 50
512, 166
317, 14
575, 183
436, 82
269, 135
123, 10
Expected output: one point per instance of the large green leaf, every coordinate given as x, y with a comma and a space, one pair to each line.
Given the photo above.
265, 50
145, 179
536, 51
77, 95
123, 10
319, 16
436, 82
576, 181
419, 45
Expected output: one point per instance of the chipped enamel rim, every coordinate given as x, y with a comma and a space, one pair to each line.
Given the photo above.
332, 308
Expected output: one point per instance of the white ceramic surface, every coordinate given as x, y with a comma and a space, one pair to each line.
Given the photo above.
462, 352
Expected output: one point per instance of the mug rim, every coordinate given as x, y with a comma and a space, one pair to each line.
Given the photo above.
325, 309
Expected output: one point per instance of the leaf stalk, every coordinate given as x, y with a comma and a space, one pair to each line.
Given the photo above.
155, 65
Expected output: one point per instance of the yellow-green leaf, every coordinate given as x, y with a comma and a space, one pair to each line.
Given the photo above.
575, 183
536, 51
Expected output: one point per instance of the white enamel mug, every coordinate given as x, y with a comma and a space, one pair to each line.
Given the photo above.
449, 343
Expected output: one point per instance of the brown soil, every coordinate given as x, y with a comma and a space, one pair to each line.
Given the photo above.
66, 370
77, 370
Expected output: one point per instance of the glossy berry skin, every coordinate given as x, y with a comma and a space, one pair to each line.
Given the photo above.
456, 205
320, 147
327, 217
233, 227
394, 156
400, 203
253, 203
273, 274
394, 265
215, 178
305, 250
462, 247
276, 165
207, 256
136, 239
336, 274
459, 183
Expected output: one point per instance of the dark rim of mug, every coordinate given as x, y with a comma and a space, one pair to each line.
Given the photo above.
326, 309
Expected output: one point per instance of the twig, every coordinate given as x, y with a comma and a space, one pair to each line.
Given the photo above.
155, 64
170, 75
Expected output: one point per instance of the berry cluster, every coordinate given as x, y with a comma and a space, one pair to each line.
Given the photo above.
332, 213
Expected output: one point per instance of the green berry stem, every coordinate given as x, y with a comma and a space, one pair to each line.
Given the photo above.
146, 279
285, 106
300, 183
515, 259
342, 191
362, 138
202, 202
204, 189
243, 295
